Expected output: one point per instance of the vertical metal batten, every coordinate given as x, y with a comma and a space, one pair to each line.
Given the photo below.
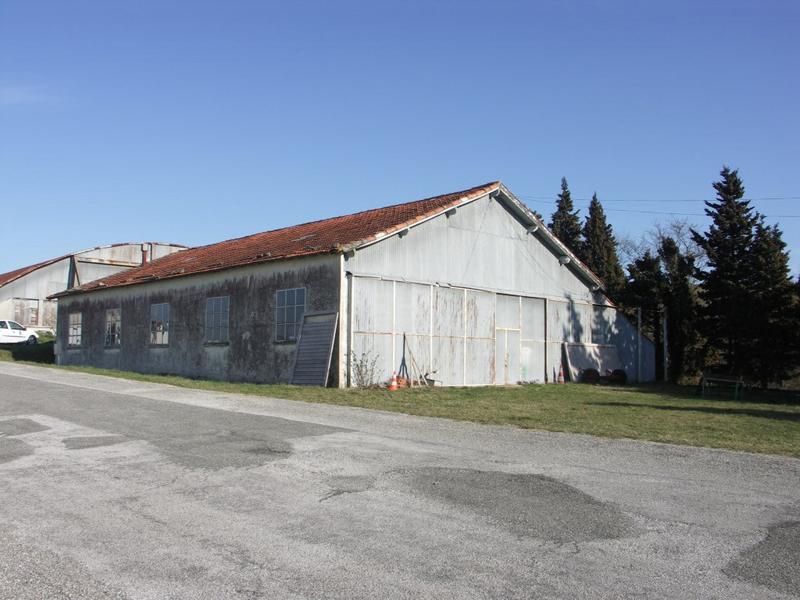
430, 333
546, 339
394, 325
351, 281
464, 374
519, 340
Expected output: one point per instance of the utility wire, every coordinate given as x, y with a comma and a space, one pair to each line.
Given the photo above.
664, 200
661, 212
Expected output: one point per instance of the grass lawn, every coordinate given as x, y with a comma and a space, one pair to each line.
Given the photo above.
762, 422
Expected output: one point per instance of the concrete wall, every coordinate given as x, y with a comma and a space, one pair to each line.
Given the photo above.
251, 354
480, 301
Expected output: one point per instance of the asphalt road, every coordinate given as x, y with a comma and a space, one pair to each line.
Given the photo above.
120, 489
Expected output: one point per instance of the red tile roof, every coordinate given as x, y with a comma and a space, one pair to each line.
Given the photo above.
329, 236
17, 273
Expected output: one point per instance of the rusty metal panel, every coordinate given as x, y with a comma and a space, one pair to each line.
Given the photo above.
412, 308
480, 367
500, 357
507, 357
375, 346
373, 305
482, 245
448, 312
448, 360
480, 316
418, 348
513, 350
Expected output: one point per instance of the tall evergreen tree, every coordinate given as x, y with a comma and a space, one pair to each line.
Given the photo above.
773, 325
680, 308
600, 248
727, 302
565, 223
644, 290
660, 282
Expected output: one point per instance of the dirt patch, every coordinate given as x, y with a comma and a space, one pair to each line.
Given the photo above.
227, 448
268, 451
93, 441
20, 426
774, 562
527, 504
348, 484
11, 449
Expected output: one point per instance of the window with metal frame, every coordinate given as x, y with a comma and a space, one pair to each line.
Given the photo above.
113, 327
217, 315
75, 331
290, 305
159, 324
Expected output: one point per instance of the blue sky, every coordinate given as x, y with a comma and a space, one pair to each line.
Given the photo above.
194, 122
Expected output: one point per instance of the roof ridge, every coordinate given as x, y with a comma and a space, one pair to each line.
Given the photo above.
354, 214
322, 236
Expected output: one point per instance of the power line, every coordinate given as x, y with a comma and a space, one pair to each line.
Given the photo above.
663, 200
672, 213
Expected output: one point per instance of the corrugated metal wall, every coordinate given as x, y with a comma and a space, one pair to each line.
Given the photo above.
480, 301
474, 337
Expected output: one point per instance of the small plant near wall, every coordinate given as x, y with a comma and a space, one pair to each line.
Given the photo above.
45, 336
365, 369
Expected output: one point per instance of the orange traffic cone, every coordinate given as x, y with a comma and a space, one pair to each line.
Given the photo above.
561, 373
393, 382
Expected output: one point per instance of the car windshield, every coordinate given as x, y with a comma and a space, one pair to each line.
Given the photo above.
15, 325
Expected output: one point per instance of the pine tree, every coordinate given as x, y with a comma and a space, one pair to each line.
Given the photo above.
773, 325
726, 284
600, 249
680, 308
565, 223
644, 290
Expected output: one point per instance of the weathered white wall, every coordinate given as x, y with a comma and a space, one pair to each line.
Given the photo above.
480, 301
90, 265
251, 354
36, 286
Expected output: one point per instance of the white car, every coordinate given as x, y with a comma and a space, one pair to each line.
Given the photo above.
12, 332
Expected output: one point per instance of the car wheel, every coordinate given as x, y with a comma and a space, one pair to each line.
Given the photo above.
31, 340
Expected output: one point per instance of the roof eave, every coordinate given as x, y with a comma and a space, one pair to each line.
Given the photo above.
382, 235
98, 288
527, 214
